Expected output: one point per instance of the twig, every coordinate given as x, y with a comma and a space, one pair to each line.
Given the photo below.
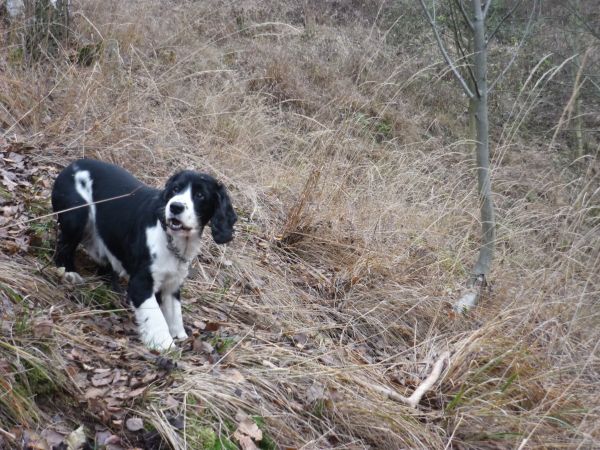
516, 52
458, 39
233, 347
445, 54
461, 7
436, 371
392, 395
18, 121
506, 16
567, 111
23, 222
10, 436
416, 396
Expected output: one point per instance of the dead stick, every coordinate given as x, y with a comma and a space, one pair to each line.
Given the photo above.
415, 398
10, 436
23, 222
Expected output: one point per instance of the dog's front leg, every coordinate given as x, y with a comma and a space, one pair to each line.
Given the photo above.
171, 308
153, 328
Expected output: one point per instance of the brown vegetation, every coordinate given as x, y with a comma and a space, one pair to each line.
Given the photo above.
341, 138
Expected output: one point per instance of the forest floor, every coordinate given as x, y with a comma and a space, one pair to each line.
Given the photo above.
346, 155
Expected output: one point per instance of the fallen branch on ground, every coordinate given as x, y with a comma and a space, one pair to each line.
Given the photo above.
416, 396
10, 436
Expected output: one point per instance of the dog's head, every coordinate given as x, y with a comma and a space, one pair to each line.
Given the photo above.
193, 199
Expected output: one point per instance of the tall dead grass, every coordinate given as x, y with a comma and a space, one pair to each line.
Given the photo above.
358, 224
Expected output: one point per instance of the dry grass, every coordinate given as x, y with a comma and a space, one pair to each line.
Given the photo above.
358, 224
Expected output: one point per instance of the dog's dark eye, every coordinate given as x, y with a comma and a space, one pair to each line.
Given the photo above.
176, 189
198, 196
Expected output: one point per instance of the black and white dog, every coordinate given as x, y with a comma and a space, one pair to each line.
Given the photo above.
149, 235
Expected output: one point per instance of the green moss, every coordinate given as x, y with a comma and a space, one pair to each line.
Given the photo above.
222, 344
16, 56
40, 383
42, 245
6, 195
88, 54
201, 435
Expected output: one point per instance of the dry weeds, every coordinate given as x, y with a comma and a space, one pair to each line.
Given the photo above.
358, 226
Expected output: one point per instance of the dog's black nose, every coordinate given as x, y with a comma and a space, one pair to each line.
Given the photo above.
176, 207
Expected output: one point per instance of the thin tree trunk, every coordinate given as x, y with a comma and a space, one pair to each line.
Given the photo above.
576, 37
477, 92
478, 110
482, 266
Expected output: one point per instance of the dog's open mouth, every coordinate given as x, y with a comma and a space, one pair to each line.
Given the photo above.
176, 225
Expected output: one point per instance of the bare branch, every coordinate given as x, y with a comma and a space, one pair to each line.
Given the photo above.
516, 53
416, 396
464, 13
436, 371
506, 16
10, 436
459, 46
568, 110
445, 54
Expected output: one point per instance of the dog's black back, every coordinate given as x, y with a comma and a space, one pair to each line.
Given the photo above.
123, 205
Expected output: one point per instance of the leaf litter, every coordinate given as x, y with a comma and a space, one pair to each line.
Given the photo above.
24, 193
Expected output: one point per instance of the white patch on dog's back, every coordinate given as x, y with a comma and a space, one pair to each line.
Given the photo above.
92, 242
83, 186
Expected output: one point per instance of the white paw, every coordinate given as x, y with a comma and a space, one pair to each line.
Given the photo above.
72, 278
154, 331
157, 340
179, 334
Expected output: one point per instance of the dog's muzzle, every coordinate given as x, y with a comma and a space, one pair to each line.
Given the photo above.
174, 217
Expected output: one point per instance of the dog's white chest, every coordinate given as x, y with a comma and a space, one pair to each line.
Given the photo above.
168, 271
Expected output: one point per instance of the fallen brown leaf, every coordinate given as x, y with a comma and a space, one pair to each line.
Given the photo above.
246, 442
94, 393
233, 375
247, 426
212, 326
201, 346
171, 403
42, 328
137, 392
102, 379
53, 438
76, 439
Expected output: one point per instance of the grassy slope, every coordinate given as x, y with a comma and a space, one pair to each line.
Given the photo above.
355, 189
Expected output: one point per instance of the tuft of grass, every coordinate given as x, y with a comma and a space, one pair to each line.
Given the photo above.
99, 295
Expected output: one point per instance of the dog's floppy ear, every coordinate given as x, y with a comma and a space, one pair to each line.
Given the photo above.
221, 223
